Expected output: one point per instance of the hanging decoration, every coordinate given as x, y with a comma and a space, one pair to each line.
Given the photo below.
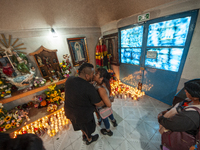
102, 56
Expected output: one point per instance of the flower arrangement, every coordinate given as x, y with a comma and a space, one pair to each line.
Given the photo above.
5, 89
54, 95
65, 66
11, 119
39, 81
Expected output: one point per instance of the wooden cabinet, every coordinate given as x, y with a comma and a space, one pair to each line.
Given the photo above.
47, 62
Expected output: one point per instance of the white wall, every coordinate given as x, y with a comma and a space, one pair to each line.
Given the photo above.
191, 69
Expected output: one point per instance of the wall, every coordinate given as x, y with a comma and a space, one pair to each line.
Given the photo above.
33, 39
191, 69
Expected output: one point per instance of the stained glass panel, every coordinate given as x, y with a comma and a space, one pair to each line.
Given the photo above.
169, 33
167, 59
132, 37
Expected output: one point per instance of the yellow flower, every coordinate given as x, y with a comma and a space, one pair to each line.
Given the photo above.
64, 66
8, 91
7, 118
2, 95
1, 82
8, 126
47, 92
60, 63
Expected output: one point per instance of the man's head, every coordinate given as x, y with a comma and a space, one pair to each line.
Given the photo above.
86, 71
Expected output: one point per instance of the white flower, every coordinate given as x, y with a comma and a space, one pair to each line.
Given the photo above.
67, 71
42, 82
1, 105
36, 77
35, 84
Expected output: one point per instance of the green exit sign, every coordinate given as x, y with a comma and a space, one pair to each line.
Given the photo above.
144, 17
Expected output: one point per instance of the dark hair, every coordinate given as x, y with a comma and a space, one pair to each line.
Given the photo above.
193, 87
106, 77
22, 142
83, 66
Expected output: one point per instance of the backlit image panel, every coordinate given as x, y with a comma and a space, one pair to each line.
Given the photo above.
132, 37
131, 55
169, 33
167, 59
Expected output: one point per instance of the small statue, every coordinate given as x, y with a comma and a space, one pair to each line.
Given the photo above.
43, 72
47, 62
60, 76
54, 60
39, 61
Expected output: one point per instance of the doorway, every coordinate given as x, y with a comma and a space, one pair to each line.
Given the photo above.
154, 53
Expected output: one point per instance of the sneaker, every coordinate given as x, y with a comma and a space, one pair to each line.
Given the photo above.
114, 123
84, 138
105, 132
94, 138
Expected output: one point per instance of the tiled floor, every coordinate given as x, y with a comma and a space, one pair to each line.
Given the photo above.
137, 129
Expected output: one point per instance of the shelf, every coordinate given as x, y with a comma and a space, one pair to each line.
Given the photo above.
34, 114
20, 94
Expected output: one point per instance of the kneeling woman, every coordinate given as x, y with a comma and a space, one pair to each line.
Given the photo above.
102, 78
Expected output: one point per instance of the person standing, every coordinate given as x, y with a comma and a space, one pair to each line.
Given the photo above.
80, 101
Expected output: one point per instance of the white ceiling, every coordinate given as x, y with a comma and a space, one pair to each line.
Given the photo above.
33, 14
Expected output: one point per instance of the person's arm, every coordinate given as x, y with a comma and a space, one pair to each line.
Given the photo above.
101, 103
184, 121
104, 96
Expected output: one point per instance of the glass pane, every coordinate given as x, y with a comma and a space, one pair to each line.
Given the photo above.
132, 37
169, 33
167, 59
131, 55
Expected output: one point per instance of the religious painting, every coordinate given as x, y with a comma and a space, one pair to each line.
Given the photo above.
111, 42
78, 50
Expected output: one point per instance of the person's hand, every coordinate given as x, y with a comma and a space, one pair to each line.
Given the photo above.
159, 115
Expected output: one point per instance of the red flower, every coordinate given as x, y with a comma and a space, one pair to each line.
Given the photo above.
1, 129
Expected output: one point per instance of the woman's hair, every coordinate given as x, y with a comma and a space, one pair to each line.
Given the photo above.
193, 87
22, 142
106, 77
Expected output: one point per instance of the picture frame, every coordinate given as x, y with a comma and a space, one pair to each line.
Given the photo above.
111, 42
78, 50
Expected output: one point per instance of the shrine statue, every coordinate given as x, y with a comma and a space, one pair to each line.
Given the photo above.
39, 61
47, 62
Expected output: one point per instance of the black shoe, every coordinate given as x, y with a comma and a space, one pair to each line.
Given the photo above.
114, 123
94, 138
105, 132
84, 138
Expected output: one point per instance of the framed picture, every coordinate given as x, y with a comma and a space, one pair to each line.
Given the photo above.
78, 50
111, 42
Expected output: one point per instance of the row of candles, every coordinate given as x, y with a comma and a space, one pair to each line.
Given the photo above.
57, 121
51, 125
125, 91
